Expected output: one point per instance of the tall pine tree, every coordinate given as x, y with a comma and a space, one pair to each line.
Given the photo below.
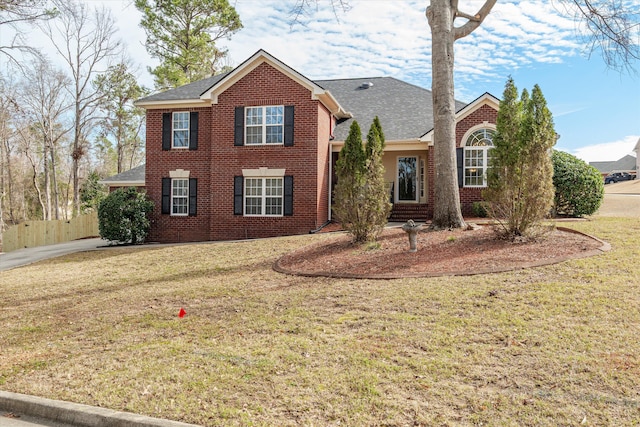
182, 34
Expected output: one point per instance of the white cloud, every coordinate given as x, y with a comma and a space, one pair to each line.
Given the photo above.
608, 151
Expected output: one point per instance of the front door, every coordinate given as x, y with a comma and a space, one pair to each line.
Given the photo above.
407, 179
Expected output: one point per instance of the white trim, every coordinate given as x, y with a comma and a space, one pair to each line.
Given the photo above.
329, 179
185, 103
263, 196
263, 173
172, 197
484, 99
260, 57
403, 145
263, 125
484, 125
179, 173
122, 183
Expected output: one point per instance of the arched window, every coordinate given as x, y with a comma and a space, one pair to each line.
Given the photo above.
477, 155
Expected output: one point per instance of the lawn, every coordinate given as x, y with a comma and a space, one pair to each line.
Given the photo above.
556, 345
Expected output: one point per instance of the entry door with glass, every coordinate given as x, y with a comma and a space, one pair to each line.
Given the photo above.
407, 179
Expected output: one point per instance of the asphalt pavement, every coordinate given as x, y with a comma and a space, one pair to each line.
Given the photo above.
27, 256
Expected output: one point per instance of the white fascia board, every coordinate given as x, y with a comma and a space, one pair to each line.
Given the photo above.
260, 57
484, 99
404, 145
122, 183
184, 103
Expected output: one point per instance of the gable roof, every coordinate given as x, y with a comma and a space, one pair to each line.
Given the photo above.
131, 178
627, 163
405, 110
206, 91
182, 94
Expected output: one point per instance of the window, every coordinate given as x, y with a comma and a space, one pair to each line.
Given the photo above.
264, 125
180, 129
477, 157
179, 196
263, 196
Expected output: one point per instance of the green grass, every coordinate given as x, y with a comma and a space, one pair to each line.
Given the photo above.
541, 347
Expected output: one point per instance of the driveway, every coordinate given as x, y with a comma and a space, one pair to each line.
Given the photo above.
26, 256
621, 199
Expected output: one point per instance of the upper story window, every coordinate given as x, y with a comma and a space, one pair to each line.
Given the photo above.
264, 125
180, 129
477, 157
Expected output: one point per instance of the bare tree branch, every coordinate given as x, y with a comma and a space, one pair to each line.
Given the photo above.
610, 26
474, 21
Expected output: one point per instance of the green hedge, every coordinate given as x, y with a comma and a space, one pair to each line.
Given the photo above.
579, 187
123, 216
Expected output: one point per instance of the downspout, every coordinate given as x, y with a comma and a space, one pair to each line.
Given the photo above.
329, 220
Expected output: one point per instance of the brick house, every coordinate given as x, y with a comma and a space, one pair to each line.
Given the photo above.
251, 153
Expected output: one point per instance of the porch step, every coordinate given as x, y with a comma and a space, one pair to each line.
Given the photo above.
405, 212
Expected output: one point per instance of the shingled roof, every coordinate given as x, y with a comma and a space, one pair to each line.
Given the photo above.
190, 91
627, 163
405, 110
131, 178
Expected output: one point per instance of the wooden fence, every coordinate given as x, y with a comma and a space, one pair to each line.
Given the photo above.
30, 234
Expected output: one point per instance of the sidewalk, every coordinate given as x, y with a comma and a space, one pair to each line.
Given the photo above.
20, 410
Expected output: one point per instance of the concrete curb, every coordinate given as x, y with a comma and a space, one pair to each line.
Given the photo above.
76, 414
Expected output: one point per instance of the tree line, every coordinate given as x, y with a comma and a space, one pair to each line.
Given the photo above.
67, 113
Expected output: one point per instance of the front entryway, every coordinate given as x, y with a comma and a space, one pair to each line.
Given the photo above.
407, 179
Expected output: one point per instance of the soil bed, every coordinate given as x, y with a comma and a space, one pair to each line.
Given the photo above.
440, 253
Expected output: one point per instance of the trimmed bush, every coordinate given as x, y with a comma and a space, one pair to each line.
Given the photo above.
479, 209
579, 187
123, 216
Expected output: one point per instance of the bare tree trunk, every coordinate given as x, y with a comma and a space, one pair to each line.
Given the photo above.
447, 211
441, 15
34, 181
54, 183
47, 179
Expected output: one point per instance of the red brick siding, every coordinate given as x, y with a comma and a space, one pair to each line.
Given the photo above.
217, 161
467, 195
324, 130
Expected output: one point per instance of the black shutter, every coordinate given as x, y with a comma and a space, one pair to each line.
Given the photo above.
166, 195
460, 165
288, 126
288, 195
166, 131
193, 196
193, 130
238, 184
239, 127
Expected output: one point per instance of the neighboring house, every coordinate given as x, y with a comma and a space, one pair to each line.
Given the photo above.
131, 178
625, 164
251, 153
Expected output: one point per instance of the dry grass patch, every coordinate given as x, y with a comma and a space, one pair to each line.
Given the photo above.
546, 346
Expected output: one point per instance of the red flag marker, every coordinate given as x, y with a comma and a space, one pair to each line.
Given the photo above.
181, 313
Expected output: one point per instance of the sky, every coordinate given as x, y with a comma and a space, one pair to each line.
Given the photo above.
596, 110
